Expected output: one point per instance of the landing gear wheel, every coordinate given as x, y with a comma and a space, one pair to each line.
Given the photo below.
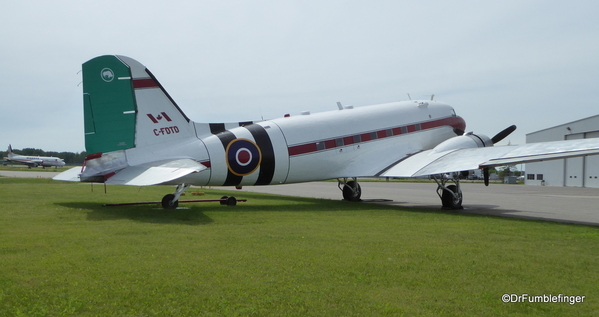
449, 200
231, 201
168, 203
352, 191
224, 200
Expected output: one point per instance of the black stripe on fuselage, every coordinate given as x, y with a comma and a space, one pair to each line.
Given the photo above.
267, 165
227, 137
220, 127
217, 128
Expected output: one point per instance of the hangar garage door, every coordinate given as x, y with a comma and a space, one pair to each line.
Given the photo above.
574, 166
591, 165
582, 171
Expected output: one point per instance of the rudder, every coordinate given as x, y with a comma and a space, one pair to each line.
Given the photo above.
108, 105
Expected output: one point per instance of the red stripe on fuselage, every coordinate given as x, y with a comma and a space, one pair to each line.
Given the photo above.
454, 122
144, 83
302, 149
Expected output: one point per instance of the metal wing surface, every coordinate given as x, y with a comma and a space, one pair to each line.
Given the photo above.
431, 162
155, 173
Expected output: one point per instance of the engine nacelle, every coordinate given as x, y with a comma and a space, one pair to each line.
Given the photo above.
468, 140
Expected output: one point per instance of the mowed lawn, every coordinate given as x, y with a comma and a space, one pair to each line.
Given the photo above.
63, 254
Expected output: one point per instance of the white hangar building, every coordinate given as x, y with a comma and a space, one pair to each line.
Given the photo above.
571, 172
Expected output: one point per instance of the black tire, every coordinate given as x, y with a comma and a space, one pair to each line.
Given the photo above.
231, 201
224, 200
168, 203
449, 201
349, 194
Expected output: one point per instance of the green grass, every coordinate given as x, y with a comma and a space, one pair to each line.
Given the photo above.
63, 254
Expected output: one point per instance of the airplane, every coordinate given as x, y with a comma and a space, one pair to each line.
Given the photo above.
33, 161
137, 135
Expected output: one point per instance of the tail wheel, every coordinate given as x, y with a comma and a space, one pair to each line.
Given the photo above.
450, 200
168, 202
352, 191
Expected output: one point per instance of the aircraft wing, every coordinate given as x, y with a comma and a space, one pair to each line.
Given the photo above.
430, 162
155, 173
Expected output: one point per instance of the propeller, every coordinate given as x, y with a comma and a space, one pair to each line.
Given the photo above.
498, 137
501, 135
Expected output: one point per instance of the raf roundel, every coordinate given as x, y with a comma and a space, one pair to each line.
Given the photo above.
243, 157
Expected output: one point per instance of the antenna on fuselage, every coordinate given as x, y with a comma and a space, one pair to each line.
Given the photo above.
432, 96
339, 105
409, 96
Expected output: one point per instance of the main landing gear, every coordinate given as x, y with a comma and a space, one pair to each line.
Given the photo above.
351, 189
451, 195
171, 201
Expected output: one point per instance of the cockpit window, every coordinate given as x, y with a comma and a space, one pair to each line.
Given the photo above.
453, 113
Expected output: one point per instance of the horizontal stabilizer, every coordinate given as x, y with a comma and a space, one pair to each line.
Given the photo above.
155, 173
70, 175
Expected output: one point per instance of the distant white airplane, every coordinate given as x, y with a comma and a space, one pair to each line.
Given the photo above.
137, 135
33, 161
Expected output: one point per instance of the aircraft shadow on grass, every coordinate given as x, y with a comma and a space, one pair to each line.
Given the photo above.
194, 213
145, 213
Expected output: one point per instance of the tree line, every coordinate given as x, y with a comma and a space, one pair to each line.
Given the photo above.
68, 157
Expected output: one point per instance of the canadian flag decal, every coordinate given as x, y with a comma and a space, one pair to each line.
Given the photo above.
159, 117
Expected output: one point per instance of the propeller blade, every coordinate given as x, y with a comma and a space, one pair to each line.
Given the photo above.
501, 135
486, 175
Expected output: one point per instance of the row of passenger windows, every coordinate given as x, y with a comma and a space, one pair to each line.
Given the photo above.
329, 144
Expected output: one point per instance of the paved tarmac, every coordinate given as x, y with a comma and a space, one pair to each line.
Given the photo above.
561, 204
28, 174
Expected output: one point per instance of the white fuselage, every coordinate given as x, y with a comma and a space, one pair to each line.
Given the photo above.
34, 161
334, 144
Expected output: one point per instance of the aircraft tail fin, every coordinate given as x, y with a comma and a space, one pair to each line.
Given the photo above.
9, 151
126, 107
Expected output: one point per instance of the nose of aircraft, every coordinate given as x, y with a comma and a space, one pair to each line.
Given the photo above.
459, 125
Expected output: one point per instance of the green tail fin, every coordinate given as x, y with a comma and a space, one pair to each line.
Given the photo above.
109, 105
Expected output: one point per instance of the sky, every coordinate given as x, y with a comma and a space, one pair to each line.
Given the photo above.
530, 63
